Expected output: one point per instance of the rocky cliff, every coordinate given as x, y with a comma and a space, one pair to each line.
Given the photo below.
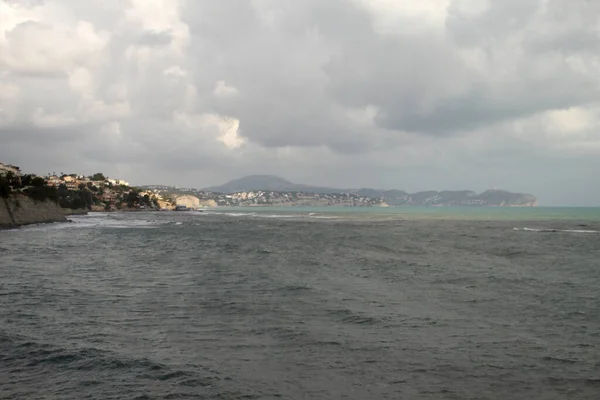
194, 202
21, 210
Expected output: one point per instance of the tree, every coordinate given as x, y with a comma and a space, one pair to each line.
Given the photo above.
5, 189
98, 177
42, 193
38, 182
26, 179
81, 186
132, 198
12, 179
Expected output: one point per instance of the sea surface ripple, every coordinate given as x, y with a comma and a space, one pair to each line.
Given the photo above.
210, 306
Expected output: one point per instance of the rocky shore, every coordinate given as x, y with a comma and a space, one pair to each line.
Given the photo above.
21, 210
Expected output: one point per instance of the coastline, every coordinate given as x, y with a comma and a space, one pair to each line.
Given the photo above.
18, 211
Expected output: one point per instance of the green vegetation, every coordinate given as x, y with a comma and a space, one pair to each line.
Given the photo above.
30, 185
5, 187
132, 198
74, 199
95, 192
42, 193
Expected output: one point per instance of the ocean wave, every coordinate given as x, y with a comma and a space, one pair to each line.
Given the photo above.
115, 223
555, 230
89, 366
270, 216
229, 214
277, 216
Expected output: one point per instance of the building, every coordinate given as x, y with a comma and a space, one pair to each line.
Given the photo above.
109, 196
53, 181
6, 168
118, 182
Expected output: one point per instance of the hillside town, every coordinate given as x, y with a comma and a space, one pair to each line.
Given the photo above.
74, 191
110, 194
98, 192
193, 198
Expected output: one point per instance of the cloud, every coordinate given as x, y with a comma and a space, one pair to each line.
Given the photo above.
442, 94
36, 44
222, 90
152, 38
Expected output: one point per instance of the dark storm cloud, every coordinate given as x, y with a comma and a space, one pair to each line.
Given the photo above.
207, 90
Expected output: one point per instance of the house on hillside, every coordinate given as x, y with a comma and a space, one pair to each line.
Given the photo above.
6, 168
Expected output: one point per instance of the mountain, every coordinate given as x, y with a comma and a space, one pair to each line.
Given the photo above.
270, 183
392, 197
503, 197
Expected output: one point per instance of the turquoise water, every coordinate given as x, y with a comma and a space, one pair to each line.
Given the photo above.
467, 213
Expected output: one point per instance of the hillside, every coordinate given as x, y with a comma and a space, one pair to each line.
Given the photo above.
269, 183
391, 197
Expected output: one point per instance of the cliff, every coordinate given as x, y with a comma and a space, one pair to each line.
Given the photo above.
194, 202
21, 210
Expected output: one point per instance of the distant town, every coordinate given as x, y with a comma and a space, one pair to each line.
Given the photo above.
98, 192
194, 198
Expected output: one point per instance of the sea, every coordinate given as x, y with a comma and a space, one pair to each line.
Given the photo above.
304, 303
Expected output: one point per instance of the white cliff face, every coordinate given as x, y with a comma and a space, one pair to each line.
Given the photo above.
208, 203
21, 210
194, 202
188, 201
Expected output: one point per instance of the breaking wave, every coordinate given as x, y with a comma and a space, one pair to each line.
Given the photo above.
555, 230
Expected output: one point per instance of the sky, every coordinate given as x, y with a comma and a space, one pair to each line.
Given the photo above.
412, 95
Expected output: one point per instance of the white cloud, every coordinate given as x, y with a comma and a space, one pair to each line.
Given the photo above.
413, 17
81, 82
222, 90
175, 71
49, 47
403, 94
209, 127
230, 137
572, 120
160, 16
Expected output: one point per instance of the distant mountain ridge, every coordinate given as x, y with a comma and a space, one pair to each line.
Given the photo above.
268, 182
391, 197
